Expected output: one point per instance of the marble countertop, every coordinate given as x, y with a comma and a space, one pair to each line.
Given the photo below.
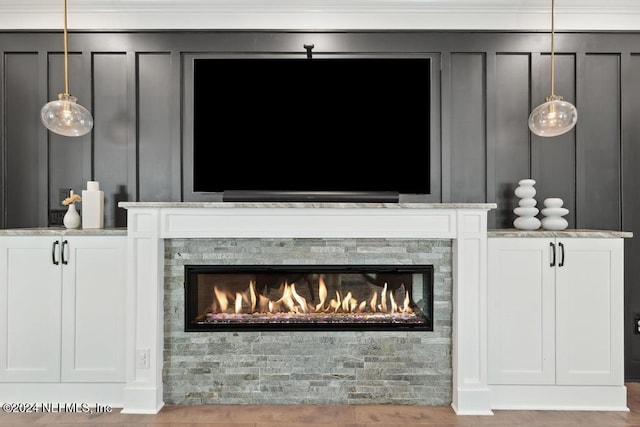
57, 231
577, 232
314, 205
508, 232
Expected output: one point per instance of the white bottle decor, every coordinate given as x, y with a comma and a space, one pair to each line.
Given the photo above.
526, 211
92, 206
553, 213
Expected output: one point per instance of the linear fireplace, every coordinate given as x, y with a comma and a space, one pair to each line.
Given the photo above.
303, 297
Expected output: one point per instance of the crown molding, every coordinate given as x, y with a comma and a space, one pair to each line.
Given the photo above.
571, 15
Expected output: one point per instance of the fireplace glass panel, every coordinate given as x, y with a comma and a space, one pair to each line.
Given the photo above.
308, 297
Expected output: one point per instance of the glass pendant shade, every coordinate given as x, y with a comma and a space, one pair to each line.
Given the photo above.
66, 117
555, 117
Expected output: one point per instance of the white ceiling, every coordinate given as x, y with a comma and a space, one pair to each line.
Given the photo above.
590, 15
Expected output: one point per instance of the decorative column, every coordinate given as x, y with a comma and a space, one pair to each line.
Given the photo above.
471, 394
145, 316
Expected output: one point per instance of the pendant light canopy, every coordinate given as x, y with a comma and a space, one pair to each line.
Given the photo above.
65, 116
555, 116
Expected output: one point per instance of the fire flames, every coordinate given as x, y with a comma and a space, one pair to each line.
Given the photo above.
291, 304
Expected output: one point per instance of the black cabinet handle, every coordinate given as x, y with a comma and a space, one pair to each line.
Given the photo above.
53, 253
64, 245
562, 255
553, 253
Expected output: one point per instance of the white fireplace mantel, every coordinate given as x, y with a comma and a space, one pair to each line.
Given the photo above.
149, 223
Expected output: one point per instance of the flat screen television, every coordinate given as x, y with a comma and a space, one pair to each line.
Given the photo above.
299, 129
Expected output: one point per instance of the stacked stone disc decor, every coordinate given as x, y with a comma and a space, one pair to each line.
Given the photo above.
553, 213
526, 211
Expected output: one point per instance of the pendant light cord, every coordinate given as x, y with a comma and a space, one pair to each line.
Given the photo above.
552, 47
66, 53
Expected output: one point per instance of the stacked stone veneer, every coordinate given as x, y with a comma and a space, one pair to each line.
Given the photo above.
363, 367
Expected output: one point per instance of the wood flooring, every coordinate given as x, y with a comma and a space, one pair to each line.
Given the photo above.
332, 416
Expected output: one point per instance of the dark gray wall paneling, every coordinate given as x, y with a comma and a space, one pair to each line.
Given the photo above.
139, 87
157, 174
21, 138
598, 183
631, 212
436, 130
111, 137
187, 120
511, 135
468, 134
553, 159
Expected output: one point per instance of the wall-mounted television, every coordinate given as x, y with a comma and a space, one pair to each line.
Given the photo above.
297, 129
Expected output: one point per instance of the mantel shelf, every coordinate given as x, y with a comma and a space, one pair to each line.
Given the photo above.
303, 205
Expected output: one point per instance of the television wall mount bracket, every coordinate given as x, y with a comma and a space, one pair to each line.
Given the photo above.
308, 48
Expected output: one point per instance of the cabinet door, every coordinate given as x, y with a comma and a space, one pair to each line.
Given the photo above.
93, 318
520, 311
30, 301
589, 312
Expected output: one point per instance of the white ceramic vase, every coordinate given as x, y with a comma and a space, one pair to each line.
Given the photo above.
553, 213
526, 210
72, 218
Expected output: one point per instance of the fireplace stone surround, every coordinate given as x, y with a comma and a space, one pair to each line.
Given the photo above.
313, 366
150, 224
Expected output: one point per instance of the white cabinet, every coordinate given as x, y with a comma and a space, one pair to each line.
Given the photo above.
590, 312
521, 312
555, 311
62, 307
30, 304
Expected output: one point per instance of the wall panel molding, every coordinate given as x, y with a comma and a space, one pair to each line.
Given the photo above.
590, 15
486, 84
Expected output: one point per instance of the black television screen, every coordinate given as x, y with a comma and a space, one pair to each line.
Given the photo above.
327, 128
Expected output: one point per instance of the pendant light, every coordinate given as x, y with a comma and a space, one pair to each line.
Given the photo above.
65, 116
555, 116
